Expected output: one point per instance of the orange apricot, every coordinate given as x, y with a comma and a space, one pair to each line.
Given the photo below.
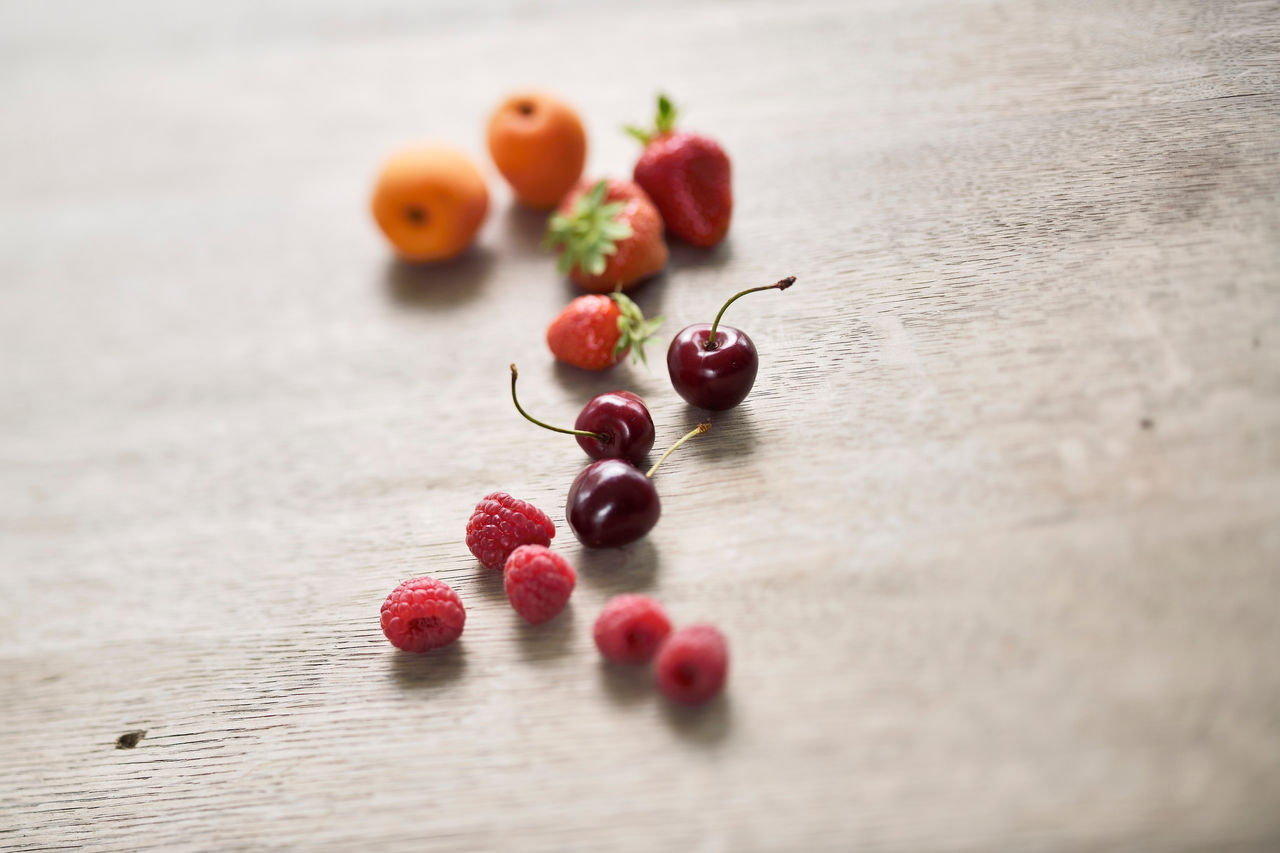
430, 202
538, 144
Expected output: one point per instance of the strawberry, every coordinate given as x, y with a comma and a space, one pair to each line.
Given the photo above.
687, 176
609, 236
595, 332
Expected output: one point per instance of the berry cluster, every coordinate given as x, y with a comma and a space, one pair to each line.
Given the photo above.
503, 533
512, 535
423, 613
691, 664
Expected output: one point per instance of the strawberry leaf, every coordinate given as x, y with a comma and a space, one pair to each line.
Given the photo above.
589, 233
638, 133
594, 262
634, 329
664, 122
616, 230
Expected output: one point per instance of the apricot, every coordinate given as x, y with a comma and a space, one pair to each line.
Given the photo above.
430, 202
538, 144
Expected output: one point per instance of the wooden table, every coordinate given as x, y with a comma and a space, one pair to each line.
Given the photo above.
996, 538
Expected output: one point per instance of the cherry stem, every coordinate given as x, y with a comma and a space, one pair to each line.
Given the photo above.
698, 430
599, 435
779, 285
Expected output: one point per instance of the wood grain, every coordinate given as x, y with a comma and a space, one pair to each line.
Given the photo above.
996, 538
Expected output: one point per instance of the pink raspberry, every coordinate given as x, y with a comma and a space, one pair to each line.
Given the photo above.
692, 665
501, 523
422, 614
630, 629
538, 582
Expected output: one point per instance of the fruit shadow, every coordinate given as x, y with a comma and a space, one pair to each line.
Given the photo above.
626, 685
547, 641
588, 383
489, 583
686, 257
705, 725
616, 570
524, 229
433, 669
629, 686
441, 286
733, 433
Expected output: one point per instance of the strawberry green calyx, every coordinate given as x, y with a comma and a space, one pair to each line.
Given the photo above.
589, 233
634, 327
665, 122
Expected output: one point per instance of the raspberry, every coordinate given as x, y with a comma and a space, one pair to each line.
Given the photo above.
538, 582
692, 665
501, 523
630, 629
422, 614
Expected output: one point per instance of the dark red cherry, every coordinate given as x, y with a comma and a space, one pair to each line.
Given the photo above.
715, 378
612, 503
713, 366
613, 425
618, 426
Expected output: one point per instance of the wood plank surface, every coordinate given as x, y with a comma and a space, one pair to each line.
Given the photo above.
995, 539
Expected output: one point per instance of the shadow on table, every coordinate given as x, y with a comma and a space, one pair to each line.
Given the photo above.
433, 669
588, 383
489, 582
626, 569
440, 286
733, 433
547, 641
524, 229
706, 725
686, 257
627, 685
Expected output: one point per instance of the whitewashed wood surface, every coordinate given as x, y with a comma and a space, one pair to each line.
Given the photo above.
996, 539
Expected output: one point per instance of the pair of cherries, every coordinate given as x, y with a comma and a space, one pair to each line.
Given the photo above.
611, 502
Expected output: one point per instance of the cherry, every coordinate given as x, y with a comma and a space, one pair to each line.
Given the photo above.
713, 367
624, 422
611, 503
612, 425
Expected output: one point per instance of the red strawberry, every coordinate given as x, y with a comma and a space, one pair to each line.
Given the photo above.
595, 332
609, 236
687, 176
